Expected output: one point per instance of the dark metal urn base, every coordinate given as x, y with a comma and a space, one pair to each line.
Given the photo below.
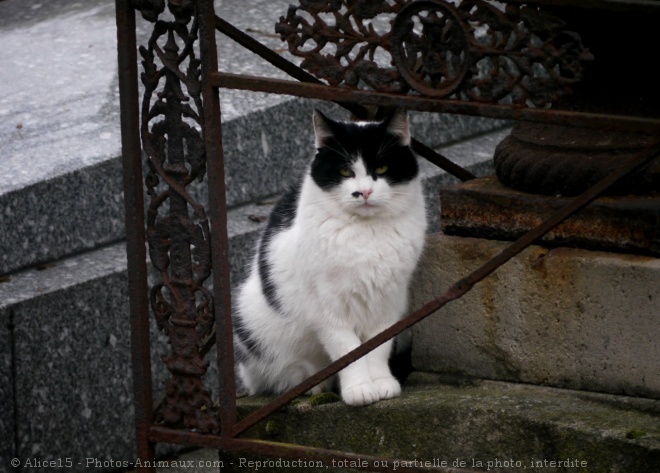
562, 160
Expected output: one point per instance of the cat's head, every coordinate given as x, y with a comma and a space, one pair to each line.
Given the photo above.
366, 168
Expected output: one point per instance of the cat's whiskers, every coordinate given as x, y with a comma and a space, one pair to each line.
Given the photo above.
343, 153
323, 199
393, 204
388, 144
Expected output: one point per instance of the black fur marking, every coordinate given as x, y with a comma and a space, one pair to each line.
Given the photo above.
374, 143
248, 345
281, 218
400, 363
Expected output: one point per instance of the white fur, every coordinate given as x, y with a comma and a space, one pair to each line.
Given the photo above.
342, 272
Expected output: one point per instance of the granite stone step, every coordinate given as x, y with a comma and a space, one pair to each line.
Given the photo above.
265, 151
564, 317
452, 421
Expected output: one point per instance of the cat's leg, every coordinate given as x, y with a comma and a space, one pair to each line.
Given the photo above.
355, 382
251, 379
299, 371
276, 353
302, 369
279, 375
388, 311
298, 358
385, 384
319, 360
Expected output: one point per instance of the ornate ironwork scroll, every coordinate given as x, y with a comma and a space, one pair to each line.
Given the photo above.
177, 226
339, 43
468, 50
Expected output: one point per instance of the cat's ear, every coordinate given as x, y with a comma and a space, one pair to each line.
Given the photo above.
397, 124
322, 128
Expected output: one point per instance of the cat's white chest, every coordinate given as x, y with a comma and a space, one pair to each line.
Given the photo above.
360, 261
364, 246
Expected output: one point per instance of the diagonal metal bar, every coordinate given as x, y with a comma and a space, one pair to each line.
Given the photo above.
275, 59
331, 458
356, 109
456, 290
439, 160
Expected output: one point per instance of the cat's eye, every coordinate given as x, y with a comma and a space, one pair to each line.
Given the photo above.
346, 172
381, 170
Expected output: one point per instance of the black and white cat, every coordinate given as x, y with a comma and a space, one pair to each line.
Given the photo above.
334, 264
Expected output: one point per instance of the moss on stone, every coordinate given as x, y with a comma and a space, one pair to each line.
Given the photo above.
635, 433
272, 427
438, 418
323, 398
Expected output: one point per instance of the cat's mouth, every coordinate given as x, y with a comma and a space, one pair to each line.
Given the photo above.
367, 204
366, 209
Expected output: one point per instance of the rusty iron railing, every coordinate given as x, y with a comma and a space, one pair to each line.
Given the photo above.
179, 132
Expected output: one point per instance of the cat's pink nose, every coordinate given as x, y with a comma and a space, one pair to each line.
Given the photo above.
364, 193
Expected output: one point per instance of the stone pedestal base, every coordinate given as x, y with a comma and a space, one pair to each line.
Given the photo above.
485, 208
563, 317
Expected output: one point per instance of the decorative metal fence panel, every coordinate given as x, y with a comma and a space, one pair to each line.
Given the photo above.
468, 57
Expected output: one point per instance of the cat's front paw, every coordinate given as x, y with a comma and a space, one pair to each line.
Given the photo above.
387, 388
360, 394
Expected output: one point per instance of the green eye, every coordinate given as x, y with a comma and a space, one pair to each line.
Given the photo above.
381, 170
346, 172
